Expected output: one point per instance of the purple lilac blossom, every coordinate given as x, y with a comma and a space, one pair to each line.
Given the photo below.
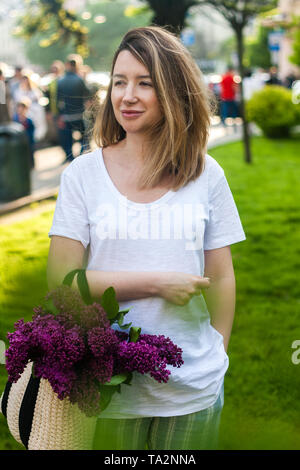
143, 358
102, 341
166, 347
67, 300
85, 393
77, 349
94, 316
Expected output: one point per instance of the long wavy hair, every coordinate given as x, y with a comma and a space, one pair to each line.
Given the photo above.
178, 141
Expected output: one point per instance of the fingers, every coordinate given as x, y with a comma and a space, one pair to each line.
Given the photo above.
202, 282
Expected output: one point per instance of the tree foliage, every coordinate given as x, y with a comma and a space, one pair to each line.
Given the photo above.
239, 13
295, 57
257, 53
172, 13
102, 39
41, 15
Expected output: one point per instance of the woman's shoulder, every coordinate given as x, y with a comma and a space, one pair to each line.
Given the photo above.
212, 169
84, 165
212, 166
84, 161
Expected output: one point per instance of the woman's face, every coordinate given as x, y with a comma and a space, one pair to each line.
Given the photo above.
133, 96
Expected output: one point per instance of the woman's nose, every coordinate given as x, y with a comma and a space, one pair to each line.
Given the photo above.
129, 94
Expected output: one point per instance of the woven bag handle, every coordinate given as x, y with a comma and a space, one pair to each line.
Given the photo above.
81, 282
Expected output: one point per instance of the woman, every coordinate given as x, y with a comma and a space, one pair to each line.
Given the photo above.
159, 218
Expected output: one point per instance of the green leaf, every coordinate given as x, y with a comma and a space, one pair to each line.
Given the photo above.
134, 334
120, 319
50, 307
124, 311
106, 394
109, 303
125, 327
33, 373
117, 379
129, 379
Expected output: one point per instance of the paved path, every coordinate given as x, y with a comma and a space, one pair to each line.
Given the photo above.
45, 177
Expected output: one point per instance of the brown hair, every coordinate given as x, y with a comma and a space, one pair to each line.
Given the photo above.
178, 141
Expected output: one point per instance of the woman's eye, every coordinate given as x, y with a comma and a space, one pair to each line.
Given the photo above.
121, 82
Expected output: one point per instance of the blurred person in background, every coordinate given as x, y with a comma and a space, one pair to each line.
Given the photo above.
4, 99
14, 82
28, 89
84, 71
289, 80
228, 96
273, 79
56, 72
252, 82
71, 95
21, 116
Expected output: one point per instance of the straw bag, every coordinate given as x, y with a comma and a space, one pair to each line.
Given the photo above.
37, 418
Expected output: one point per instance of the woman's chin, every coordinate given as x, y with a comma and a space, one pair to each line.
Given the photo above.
135, 129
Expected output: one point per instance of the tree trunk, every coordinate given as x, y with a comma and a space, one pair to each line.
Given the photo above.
246, 134
170, 13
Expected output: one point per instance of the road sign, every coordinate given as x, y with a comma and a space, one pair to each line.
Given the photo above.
188, 37
274, 40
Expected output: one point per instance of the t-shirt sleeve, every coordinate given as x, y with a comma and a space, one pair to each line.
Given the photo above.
70, 216
224, 226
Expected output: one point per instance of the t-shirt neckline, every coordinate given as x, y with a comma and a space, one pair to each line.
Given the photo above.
124, 199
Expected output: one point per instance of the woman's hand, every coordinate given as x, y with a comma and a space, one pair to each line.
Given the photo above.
178, 288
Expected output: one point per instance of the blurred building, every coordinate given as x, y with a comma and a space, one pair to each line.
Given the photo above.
206, 30
11, 48
279, 21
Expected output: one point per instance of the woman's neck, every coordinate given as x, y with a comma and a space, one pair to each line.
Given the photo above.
134, 149
130, 154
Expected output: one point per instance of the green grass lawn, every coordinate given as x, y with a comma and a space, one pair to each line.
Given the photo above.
262, 405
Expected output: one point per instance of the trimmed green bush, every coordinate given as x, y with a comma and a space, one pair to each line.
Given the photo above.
273, 111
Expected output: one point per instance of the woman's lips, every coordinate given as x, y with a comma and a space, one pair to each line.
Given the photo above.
131, 114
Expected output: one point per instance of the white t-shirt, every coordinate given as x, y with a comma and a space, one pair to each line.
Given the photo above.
169, 234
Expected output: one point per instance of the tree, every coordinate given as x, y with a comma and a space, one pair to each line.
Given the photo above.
42, 14
237, 13
257, 50
171, 13
102, 39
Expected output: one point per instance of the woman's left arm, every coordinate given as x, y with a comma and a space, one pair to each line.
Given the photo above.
220, 296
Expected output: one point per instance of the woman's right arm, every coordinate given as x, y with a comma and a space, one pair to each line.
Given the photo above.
66, 254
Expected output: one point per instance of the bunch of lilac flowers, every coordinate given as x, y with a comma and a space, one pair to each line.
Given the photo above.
74, 347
